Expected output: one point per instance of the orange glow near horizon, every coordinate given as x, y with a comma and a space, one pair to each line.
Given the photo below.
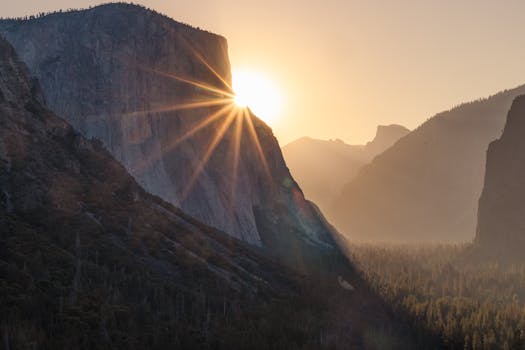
255, 91
345, 67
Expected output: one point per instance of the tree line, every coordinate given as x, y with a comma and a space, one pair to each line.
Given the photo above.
467, 304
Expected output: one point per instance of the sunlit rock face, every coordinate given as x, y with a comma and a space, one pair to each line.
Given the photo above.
55, 183
501, 213
121, 73
73, 220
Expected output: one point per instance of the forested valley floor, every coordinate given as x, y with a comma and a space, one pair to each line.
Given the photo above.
464, 303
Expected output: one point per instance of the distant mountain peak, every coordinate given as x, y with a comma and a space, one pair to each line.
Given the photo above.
426, 186
386, 136
323, 167
383, 130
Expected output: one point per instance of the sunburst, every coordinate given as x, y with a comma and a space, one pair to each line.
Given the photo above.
220, 101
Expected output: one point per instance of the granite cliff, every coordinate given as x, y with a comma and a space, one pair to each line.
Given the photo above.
86, 255
501, 212
156, 93
386, 136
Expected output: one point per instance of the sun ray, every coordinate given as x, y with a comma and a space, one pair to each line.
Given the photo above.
236, 153
205, 62
209, 119
201, 58
196, 83
257, 144
229, 93
225, 98
182, 106
201, 125
207, 155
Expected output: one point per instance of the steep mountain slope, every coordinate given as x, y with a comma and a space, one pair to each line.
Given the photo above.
89, 260
501, 213
426, 187
83, 245
322, 168
156, 93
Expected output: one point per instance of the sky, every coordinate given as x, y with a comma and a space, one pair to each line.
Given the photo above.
343, 67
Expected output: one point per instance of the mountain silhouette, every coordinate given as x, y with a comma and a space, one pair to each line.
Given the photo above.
322, 168
427, 185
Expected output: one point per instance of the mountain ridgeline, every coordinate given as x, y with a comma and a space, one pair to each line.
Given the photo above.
156, 93
426, 187
386, 136
322, 168
501, 213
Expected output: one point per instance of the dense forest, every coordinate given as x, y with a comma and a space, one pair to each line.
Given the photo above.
55, 297
466, 303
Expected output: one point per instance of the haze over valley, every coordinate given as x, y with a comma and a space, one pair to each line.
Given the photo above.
156, 195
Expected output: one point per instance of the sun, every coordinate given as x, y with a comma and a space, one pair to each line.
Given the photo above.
255, 91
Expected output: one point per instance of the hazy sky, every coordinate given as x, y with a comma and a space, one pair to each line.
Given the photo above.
346, 66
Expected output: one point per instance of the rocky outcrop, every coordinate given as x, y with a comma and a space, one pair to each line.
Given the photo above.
322, 168
427, 185
386, 136
501, 213
152, 90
